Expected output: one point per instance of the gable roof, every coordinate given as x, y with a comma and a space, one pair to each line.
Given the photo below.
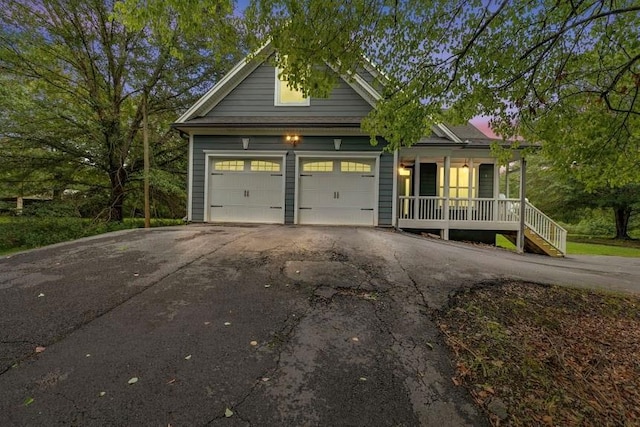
248, 65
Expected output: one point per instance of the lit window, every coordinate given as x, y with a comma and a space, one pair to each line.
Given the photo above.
229, 165
285, 95
354, 167
318, 166
458, 182
264, 166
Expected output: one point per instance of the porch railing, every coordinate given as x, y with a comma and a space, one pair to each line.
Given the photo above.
427, 208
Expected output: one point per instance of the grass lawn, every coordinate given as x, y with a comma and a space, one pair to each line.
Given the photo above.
21, 233
587, 246
547, 355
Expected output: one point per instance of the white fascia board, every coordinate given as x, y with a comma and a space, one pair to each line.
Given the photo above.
220, 85
452, 136
361, 87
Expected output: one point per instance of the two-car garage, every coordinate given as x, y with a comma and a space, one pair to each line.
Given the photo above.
336, 190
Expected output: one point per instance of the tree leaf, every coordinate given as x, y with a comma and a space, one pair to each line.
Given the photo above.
228, 413
133, 380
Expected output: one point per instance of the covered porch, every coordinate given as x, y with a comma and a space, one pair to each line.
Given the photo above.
444, 189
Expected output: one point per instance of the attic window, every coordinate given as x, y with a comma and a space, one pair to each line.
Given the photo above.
286, 96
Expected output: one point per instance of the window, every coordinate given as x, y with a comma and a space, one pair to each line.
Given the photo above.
458, 182
228, 165
264, 166
285, 95
354, 167
318, 166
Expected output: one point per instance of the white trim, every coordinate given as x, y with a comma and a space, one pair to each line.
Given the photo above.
282, 130
306, 102
211, 154
338, 155
394, 191
190, 181
452, 136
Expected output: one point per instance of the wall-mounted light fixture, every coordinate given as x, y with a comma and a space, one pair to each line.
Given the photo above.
245, 143
293, 139
336, 143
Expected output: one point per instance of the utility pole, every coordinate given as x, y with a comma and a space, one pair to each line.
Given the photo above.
145, 142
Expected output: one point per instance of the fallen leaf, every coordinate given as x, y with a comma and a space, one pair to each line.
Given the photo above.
136, 274
228, 413
88, 355
355, 339
297, 271
430, 346
227, 323
254, 343
102, 393
363, 379
187, 357
265, 379
40, 349
40, 296
548, 419
171, 381
28, 401
133, 380
207, 323
267, 286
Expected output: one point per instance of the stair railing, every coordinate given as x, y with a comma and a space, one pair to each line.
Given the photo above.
545, 227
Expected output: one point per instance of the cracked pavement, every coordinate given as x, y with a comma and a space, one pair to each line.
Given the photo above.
282, 325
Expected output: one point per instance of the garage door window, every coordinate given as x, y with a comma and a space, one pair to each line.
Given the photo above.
354, 167
229, 165
318, 166
264, 166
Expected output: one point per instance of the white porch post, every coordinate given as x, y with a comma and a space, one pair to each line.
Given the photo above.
506, 181
394, 191
496, 189
523, 183
445, 208
470, 193
416, 188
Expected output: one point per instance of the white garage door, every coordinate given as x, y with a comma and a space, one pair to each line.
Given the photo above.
246, 190
336, 191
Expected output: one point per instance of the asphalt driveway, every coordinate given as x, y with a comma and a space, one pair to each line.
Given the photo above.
248, 325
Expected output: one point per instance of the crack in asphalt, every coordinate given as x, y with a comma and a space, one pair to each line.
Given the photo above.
78, 326
424, 304
282, 337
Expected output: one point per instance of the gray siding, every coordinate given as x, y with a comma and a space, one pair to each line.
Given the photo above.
385, 200
311, 143
254, 97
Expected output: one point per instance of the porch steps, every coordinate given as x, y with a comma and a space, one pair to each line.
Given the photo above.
534, 243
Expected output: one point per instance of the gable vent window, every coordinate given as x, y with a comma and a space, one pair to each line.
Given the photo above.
286, 96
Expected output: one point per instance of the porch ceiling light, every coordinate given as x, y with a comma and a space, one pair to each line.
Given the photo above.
465, 165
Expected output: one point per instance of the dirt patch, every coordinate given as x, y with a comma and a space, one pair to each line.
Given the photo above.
546, 355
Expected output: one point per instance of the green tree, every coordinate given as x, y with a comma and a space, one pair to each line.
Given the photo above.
452, 60
591, 159
82, 77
